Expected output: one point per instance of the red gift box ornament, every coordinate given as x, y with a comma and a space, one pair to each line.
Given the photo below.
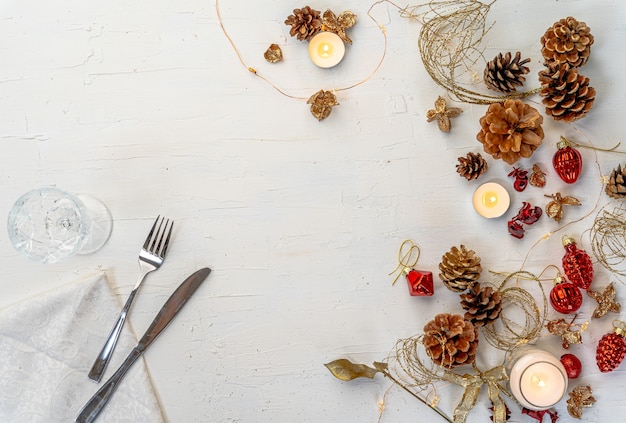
567, 161
565, 297
612, 348
577, 264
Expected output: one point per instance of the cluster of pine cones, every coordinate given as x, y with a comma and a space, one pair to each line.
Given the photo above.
451, 340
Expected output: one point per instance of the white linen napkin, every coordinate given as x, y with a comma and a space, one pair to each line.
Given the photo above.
47, 346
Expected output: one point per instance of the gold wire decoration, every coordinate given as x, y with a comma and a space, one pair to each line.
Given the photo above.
450, 45
608, 239
406, 259
343, 21
508, 332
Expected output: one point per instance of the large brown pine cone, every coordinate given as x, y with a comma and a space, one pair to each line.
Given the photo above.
471, 166
482, 305
616, 187
305, 23
566, 94
460, 268
505, 74
567, 41
511, 130
450, 340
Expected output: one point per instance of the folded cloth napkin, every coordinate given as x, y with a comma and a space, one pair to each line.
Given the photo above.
47, 346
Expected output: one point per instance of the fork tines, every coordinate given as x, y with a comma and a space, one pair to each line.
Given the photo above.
156, 242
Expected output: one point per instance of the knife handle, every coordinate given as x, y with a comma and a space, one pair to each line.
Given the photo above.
97, 402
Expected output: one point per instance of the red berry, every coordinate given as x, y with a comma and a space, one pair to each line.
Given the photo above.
572, 365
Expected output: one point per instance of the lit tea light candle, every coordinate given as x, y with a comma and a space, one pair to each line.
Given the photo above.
326, 49
491, 200
537, 379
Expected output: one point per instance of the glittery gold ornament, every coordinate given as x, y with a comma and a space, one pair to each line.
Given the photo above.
273, 54
580, 397
339, 24
606, 301
442, 113
322, 103
538, 177
554, 209
564, 329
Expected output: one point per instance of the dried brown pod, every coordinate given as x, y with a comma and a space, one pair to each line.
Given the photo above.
511, 130
322, 103
506, 73
450, 340
273, 54
567, 41
304, 23
442, 113
566, 94
554, 208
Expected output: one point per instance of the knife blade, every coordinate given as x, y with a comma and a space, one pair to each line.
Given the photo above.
172, 306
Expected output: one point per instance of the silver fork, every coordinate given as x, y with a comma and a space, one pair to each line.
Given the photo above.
151, 258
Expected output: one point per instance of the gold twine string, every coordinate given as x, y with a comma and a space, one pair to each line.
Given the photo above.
405, 258
450, 45
280, 90
608, 239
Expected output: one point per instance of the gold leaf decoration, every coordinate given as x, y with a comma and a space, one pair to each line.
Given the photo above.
554, 209
563, 329
442, 113
580, 397
606, 301
273, 54
322, 103
339, 24
346, 370
538, 177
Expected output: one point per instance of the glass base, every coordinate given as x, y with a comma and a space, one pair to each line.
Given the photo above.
101, 224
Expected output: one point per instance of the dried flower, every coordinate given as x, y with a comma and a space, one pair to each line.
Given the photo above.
442, 113
322, 103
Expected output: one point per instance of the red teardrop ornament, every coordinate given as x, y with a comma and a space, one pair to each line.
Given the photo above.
611, 349
567, 161
577, 265
565, 297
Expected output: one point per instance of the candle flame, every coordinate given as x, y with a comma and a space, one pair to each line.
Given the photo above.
325, 50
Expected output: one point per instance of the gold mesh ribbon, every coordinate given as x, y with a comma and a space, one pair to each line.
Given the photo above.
473, 383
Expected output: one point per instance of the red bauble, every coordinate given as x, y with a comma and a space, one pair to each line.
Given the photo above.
565, 297
572, 365
567, 162
577, 265
420, 283
611, 349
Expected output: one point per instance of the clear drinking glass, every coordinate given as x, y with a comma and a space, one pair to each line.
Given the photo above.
48, 224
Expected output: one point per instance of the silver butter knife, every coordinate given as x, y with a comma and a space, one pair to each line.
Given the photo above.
171, 307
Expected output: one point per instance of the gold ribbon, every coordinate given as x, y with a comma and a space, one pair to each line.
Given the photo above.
472, 384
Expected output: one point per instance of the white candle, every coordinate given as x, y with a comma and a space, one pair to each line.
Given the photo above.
326, 49
491, 200
537, 379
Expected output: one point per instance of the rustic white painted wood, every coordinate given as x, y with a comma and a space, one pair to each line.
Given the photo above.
145, 105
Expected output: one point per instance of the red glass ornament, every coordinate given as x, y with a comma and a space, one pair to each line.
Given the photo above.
572, 364
567, 161
611, 349
577, 265
565, 297
420, 283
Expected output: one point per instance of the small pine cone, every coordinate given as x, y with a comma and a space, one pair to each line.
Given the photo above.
460, 269
567, 41
511, 130
450, 340
616, 187
483, 305
305, 23
471, 166
505, 75
566, 94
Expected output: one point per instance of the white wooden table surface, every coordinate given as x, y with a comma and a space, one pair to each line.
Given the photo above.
145, 105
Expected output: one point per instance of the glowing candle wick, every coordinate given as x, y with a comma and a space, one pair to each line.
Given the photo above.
325, 50
490, 199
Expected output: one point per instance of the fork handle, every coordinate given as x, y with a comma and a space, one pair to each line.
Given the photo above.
96, 403
98, 367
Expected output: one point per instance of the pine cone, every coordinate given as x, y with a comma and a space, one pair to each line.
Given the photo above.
460, 269
567, 41
511, 130
483, 305
503, 74
616, 187
450, 340
305, 23
566, 94
471, 166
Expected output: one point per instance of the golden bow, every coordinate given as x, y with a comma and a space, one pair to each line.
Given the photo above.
472, 384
